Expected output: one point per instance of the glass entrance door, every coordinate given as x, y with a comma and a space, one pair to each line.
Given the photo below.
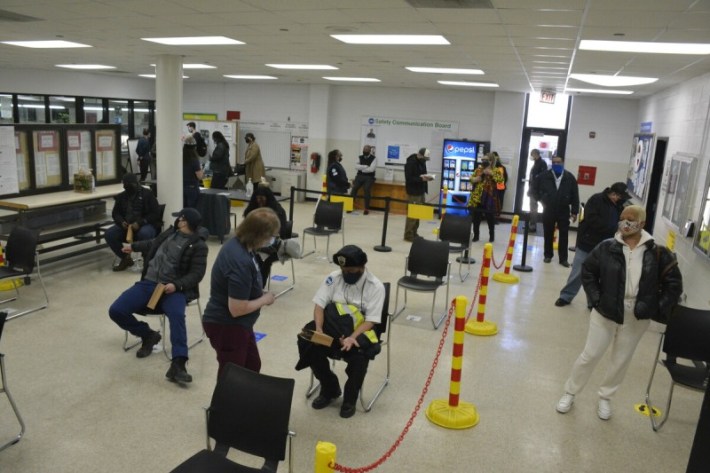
550, 143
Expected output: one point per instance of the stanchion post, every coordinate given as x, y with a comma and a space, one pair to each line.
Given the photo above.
290, 204
480, 326
505, 276
455, 414
522, 267
383, 247
325, 457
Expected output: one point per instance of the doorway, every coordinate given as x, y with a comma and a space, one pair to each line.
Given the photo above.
654, 188
550, 143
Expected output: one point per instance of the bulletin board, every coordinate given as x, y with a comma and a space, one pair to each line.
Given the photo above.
106, 156
275, 147
78, 151
640, 164
48, 165
22, 154
8, 162
679, 189
394, 139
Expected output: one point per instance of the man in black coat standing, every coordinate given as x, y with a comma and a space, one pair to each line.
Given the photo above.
558, 191
416, 180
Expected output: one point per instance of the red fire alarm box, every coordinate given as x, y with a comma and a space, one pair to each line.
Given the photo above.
587, 175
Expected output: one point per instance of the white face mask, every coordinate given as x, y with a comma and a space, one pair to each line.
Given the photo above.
627, 227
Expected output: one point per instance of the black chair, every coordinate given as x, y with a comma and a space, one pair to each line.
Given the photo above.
380, 329
429, 259
3, 389
285, 233
456, 229
163, 329
687, 336
249, 412
327, 221
22, 257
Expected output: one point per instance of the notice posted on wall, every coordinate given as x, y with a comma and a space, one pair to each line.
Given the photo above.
8, 162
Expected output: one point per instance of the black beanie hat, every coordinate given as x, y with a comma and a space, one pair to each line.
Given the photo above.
191, 216
350, 255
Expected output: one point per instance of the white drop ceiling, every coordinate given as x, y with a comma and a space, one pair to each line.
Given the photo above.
522, 45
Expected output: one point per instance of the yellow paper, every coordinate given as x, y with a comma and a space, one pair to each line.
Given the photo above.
422, 212
347, 202
670, 241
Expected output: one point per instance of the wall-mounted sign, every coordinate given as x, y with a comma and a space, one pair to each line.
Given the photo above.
200, 116
547, 96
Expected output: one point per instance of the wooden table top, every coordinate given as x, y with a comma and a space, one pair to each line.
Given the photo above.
38, 201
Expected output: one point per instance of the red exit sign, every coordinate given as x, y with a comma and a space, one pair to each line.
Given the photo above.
547, 96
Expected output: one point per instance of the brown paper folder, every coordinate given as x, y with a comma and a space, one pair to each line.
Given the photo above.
129, 234
316, 337
157, 294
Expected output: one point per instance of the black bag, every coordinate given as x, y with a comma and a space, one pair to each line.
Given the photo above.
663, 313
201, 147
240, 169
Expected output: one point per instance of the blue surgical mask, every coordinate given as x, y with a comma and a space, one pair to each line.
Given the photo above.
352, 278
558, 168
271, 242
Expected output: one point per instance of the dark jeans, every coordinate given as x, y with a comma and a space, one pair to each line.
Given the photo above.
115, 236
135, 298
548, 225
190, 195
233, 344
144, 165
477, 215
366, 182
219, 180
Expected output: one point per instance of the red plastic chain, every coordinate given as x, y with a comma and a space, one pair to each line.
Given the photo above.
493, 259
405, 430
475, 294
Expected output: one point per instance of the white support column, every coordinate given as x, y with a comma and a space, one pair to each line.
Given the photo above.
168, 118
318, 133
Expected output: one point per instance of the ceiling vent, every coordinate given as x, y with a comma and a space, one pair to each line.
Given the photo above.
12, 17
450, 3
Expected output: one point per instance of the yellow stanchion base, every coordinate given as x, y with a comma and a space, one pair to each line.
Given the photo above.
474, 327
506, 278
643, 409
463, 416
7, 285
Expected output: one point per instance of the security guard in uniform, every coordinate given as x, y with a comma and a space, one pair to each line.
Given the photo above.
348, 304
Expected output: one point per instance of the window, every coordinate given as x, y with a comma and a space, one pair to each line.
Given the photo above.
62, 109
6, 108
31, 108
93, 110
141, 117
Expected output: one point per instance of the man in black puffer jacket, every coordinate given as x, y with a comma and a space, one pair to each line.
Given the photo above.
628, 280
177, 259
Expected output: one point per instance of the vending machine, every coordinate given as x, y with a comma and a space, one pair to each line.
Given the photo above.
460, 158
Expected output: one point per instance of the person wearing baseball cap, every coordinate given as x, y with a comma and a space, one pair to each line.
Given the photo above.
601, 217
349, 301
175, 264
416, 179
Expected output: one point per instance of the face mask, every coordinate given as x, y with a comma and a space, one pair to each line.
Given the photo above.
627, 227
271, 242
485, 164
558, 168
131, 188
352, 278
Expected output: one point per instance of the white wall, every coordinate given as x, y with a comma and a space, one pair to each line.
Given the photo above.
682, 113
506, 137
615, 121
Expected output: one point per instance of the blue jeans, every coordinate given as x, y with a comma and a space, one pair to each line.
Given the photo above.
135, 298
115, 236
574, 281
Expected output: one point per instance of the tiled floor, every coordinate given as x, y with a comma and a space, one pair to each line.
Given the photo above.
91, 407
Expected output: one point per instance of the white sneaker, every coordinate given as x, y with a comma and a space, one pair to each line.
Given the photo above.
565, 403
604, 409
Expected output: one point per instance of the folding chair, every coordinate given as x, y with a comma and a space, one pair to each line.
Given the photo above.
3, 389
429, 259
380, 329
456, 229
22, 257
327, 221
249, 412
285, 234
687, 336
163, 330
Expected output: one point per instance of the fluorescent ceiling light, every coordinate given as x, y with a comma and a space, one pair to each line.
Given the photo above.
311, 67
353, 79
645, 47
85, 67
47, 44
613, 81
444, 70
600, 91
152, 76
194, 41
195, 66
416, 39
248, 77
468, 84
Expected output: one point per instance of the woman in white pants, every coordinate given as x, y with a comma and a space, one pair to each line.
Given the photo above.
629, 280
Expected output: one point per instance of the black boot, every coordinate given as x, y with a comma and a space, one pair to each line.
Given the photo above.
177, 373
149, 341
126, 262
